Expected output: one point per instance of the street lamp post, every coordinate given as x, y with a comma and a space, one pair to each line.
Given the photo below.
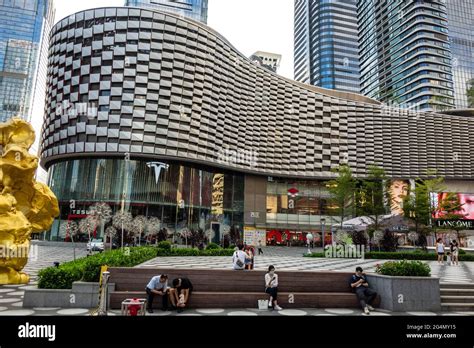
323, 222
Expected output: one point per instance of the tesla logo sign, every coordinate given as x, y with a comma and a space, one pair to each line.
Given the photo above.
157, 166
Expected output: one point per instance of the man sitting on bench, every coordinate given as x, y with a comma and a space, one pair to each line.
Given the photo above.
360, 286
180, 292
157, 286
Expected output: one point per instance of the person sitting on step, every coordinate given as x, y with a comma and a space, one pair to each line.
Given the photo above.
157, 286
360, 286
271, 288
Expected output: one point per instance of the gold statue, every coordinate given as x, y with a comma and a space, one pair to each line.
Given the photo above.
26, 206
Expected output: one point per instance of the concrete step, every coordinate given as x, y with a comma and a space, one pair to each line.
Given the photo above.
457, 292
457, 307
456, 286
457, 299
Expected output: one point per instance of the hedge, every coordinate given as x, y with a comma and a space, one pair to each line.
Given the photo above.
411, 256
383, 255
195, 252
88, 268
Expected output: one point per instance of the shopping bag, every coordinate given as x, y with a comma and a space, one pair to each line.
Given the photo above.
262, 304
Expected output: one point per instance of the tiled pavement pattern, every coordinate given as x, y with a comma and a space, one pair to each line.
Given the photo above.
283, 258
42, 256
291, 259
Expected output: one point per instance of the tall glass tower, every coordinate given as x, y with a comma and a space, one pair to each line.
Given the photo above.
194, 9
460, 22
326, 49
24, 36
405, 53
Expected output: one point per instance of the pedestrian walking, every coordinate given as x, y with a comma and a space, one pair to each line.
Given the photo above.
260, 251
455, 252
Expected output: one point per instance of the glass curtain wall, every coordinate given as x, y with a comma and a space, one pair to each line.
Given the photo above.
180, 196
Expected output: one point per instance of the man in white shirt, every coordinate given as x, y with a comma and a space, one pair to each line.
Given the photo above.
238, 259
158, 286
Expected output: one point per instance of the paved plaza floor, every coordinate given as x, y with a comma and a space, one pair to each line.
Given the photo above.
11, 296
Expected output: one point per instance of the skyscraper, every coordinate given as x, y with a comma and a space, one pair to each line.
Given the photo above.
405, 53
326, 49
24, 29
194, 9
460, 21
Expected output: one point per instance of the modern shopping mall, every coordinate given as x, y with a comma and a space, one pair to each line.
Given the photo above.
162, 114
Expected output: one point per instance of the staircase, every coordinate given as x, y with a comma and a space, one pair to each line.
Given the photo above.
457, 297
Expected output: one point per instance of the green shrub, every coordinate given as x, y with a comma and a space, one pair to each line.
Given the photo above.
88, 268
164, 245
462, 252
404, 268
212, 246
195, 252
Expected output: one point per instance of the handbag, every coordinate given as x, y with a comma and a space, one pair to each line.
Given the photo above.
238, 262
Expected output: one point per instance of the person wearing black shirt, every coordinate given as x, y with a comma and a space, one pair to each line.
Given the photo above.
360, 286
179, 294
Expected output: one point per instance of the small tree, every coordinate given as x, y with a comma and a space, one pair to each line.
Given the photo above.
70, 228
342, 190
153, 228
139, 226
418, 205
373, 195
122, 221
88, 226
111, 232
101, 213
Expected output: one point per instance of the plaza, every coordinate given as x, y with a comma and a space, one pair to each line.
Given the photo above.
157, 129
290, 259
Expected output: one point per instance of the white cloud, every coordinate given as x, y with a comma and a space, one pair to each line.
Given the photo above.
249, 25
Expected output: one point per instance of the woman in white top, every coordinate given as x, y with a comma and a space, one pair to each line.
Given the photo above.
440, 250
271, 288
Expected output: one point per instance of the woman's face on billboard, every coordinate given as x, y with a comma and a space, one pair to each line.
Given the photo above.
467, 202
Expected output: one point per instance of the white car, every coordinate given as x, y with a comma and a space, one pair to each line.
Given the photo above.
96, 245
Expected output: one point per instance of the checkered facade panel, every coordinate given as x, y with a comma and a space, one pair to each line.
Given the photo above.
152, 85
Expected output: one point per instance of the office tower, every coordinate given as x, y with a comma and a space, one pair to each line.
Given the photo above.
405, 53
326, 50
270, 61
194, 9
460, 22
24, 30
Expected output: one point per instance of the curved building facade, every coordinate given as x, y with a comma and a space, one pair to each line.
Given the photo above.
166, 113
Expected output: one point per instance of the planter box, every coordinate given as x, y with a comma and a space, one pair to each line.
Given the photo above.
82, 295
405, 294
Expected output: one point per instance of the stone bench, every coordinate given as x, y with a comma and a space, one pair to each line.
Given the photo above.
240, 289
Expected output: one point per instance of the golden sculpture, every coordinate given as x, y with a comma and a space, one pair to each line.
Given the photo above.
26, 206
